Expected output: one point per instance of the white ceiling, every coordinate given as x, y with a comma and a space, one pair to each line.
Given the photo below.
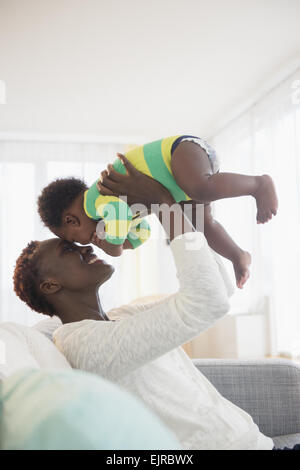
138, 67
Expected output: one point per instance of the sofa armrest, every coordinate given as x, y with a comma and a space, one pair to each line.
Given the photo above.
269, 390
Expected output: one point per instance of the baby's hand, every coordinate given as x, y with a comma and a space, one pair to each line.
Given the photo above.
109, 248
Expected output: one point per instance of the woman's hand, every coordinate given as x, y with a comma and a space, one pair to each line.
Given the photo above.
139, 188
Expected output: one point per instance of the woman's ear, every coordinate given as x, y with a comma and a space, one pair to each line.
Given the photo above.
50, 286
70, 219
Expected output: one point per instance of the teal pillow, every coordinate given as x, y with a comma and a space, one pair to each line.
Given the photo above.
75, 410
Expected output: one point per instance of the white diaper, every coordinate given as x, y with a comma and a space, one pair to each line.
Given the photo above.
212, 154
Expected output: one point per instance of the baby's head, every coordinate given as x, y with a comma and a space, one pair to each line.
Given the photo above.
61, 209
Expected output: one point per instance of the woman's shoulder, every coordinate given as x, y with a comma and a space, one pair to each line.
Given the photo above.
47, 326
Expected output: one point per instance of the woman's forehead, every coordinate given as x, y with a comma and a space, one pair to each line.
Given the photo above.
49, 246
48, 254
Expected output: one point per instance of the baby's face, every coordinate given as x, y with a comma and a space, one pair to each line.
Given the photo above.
81, 233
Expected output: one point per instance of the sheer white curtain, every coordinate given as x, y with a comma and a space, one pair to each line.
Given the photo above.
25, 168
266, 139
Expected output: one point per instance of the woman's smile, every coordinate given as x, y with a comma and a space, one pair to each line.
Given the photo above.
95, 260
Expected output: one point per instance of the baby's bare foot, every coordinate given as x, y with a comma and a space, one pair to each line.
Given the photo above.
241, 269
266, 199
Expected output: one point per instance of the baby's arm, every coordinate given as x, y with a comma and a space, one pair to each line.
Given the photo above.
115, 221
109, 248
117, 229
139, 232
217, 237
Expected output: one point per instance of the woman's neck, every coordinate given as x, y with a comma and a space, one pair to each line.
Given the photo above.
78, 306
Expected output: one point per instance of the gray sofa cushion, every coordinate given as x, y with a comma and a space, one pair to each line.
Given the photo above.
269, 390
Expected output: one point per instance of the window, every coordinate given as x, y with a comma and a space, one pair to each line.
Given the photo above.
266, 139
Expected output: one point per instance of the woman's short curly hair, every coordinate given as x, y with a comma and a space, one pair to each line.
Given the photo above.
26, 279
57, 197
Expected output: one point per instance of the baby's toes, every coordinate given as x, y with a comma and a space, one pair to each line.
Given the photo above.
265, 217
260, 217
269, 216
240, 283
239, 280
244, 278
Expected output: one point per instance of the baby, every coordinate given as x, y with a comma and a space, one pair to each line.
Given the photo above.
188, 167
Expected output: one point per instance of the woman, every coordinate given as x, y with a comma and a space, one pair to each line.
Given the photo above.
138, 346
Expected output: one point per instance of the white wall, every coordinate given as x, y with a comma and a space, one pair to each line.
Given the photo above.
139, 68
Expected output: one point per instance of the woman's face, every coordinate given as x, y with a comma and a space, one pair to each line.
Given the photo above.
73, 267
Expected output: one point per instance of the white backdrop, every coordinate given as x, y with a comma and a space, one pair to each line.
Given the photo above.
25, 168
266, 139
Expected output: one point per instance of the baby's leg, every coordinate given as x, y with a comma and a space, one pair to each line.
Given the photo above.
219, 240
192, 170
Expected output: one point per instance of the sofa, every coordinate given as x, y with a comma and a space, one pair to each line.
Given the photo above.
268, 389
47, 405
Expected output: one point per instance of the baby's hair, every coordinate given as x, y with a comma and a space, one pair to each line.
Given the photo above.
26, 279
57, 197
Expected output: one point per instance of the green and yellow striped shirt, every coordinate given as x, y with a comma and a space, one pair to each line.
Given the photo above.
154, 160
